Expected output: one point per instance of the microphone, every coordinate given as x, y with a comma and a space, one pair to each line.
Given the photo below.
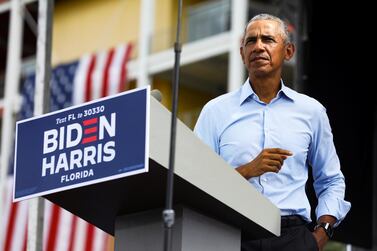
156, 94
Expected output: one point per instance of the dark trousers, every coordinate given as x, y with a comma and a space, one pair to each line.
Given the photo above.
295, 236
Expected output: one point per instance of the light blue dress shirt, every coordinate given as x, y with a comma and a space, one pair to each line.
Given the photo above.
238, 126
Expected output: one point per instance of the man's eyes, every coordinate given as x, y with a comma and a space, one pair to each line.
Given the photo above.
250, 40
264, 40
268, 39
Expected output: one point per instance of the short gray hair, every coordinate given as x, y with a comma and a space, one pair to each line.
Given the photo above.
283, 25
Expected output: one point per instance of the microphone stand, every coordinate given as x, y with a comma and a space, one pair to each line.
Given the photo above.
168, 214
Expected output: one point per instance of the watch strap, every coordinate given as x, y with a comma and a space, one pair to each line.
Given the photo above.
327, 227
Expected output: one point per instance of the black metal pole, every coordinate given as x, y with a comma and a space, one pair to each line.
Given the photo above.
168, 213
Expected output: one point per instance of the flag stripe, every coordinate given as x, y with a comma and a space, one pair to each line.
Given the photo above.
115, 69
123, 74
10, 227
89, 237
106, 243
7, 207
99, 240
25, 239
79, 94
72, 236
88, 87
54, 222
46, 222
63, 232
105, 84
80, 235
97, 75
18, 234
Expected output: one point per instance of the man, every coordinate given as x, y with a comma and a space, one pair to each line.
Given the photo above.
270, 134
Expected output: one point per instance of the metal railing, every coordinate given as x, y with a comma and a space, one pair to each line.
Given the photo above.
202, 20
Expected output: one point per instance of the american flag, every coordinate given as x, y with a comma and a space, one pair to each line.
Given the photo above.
93, 76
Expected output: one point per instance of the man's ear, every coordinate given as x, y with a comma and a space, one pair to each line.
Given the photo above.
289, 51
241, 51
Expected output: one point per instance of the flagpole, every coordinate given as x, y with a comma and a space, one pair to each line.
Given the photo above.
41, 106
12, 79
168, 213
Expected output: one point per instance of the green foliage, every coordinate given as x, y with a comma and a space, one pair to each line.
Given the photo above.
335, 246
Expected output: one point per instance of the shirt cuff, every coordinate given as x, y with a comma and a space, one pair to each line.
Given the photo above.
328, 205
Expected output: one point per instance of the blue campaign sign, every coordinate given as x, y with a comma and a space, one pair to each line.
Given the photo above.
98, 141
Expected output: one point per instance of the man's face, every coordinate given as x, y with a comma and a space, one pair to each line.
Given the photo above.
263, 49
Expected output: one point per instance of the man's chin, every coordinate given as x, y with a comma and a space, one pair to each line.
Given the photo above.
260, 72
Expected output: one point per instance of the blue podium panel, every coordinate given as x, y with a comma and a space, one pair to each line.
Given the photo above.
98, 141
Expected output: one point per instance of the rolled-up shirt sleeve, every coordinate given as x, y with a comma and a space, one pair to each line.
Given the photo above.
329, 183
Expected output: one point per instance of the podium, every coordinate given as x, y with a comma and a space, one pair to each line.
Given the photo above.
214, 204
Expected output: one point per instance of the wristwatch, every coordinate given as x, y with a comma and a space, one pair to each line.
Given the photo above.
327, 227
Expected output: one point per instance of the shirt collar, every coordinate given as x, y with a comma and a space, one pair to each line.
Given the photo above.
247, 91
288, 92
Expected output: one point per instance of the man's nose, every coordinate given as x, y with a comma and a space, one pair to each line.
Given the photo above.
258, 46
